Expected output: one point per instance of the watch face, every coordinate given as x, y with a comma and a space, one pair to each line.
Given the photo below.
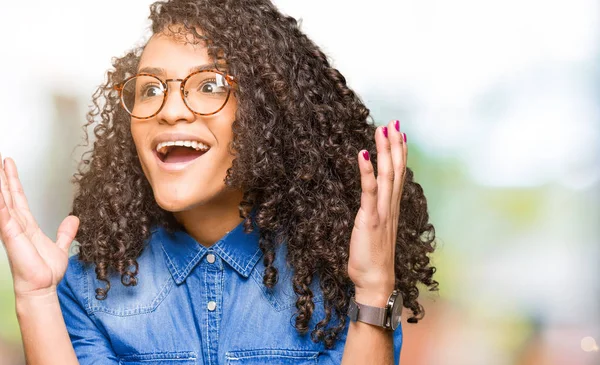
396, 312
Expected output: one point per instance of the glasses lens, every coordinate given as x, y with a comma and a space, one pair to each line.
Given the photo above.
206, 92
143, 95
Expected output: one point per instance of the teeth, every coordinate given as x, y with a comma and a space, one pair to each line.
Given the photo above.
198, 146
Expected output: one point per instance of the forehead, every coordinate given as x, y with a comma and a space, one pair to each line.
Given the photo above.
173, 54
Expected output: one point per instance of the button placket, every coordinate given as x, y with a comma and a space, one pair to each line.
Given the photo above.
213, 283
212, 305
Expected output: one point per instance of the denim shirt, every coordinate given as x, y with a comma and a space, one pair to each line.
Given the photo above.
194, 305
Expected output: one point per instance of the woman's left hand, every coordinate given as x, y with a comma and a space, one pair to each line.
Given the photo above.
371, 264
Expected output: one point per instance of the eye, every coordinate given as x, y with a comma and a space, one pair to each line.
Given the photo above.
151, 90
211, 87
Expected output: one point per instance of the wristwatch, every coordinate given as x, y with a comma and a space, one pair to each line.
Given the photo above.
388, 317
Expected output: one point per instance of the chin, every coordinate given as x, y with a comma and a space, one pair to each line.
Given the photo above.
173, 200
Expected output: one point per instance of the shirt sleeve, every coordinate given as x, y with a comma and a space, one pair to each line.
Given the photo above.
397, 344
91, 345
334, 356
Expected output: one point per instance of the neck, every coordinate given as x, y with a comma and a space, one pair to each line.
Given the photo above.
210, 222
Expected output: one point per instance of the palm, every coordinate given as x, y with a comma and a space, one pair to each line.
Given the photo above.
371, 265
37, 263
361, 267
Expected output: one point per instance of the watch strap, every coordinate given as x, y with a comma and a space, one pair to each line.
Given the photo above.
364, 313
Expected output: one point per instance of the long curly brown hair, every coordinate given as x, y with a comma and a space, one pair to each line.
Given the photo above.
297, 132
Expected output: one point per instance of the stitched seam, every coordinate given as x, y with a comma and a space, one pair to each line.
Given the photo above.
271, 353
166, 289
169, 262
252, 262
207, 314
138, 310
88, 304
149, 356
233, 261
194, 260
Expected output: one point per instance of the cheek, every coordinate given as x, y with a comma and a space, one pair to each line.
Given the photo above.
227, 130
135, 134
139, 135
227, 154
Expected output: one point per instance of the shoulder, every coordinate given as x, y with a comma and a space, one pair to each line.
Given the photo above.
71, 289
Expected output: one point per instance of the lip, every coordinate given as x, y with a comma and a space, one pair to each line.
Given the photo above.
178, 166
176, 136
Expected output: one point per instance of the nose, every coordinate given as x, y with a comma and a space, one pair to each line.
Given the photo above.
174, 109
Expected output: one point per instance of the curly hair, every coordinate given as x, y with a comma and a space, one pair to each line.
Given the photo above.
297, 132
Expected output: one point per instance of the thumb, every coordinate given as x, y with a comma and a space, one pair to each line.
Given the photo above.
66, 232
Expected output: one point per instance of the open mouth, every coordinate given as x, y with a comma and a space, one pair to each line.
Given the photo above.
180, 151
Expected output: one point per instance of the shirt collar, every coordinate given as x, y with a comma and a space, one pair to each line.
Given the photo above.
182, 252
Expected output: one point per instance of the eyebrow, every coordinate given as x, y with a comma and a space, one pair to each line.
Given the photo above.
161, 71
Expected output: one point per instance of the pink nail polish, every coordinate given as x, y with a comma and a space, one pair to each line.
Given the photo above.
397, 125
384, 129
366, 155
404, 137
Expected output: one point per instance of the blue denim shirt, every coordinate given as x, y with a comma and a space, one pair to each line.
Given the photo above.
194, 305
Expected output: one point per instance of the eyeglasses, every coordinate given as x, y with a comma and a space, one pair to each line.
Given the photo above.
204, 92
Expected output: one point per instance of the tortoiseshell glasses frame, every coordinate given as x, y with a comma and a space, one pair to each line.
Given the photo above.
231, 81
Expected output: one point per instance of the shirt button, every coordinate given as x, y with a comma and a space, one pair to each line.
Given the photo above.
212, 306
210, 258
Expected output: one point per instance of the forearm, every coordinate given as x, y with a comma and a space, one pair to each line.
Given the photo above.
45, 337
368, 344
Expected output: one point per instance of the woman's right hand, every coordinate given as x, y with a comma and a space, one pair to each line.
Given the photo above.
36, 262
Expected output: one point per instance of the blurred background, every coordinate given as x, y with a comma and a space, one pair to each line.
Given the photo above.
500, 101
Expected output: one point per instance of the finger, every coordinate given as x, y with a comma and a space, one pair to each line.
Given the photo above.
18, 248
385, 172
405, 156
398, 162
66, 232
4, 185
7, 231
5, 191
20, 205
368, 197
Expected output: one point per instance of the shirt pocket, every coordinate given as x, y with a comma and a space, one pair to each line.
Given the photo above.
166, 358
271, 357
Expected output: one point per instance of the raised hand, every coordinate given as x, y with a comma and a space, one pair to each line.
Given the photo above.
373, 241
36, 262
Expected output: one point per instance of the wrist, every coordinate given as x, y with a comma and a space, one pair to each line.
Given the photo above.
374, 297
25, 303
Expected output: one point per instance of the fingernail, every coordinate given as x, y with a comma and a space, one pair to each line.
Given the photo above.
404, 137
397, 125
366, 155
384, 129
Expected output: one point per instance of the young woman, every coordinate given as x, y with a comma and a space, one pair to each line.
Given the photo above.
238, 208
